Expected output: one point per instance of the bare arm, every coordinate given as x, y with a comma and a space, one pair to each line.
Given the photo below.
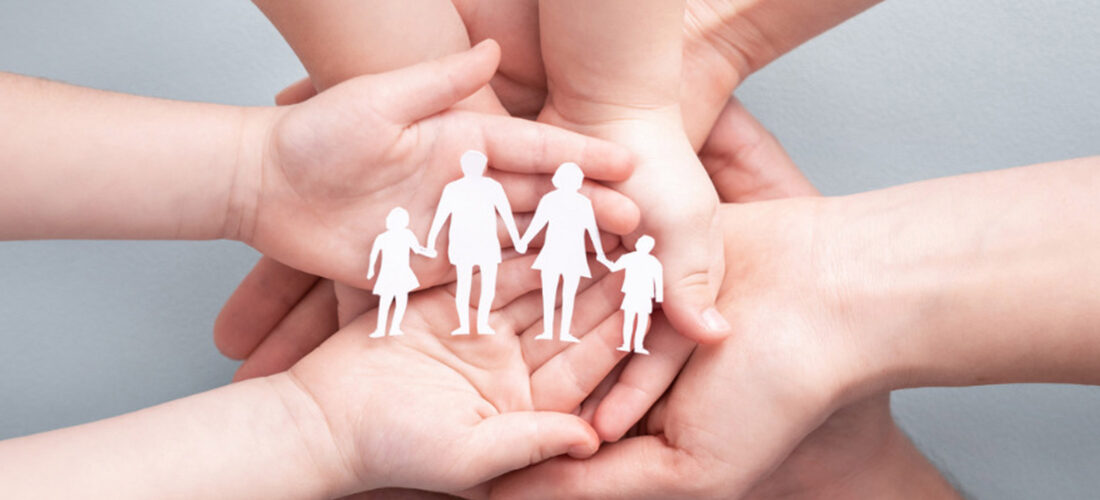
246, 440
984, 278
84, 163
337, 40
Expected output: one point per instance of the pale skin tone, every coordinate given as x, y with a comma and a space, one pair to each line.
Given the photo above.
124, 160
722, 47
870, 292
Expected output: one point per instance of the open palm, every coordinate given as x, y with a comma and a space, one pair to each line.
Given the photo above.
434, 411
336, 164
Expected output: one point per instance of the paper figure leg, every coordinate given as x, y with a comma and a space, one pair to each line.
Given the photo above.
568, 296
485, 302
464, 277
639, 334
383, 310
628, 328
549, 296
400, 302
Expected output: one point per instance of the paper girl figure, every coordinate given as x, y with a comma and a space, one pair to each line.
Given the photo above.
641, 285
395, 278
567, 216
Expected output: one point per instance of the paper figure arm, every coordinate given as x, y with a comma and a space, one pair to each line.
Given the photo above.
414, 244
658, 282
441, 213
375, 249
500, 202
593, 232
537, 223
614, 267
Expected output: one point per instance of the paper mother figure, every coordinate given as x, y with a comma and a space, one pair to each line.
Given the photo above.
567, 216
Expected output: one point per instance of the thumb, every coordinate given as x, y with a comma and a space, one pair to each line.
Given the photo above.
517, 439
747, 163
418, 91
642, 467
691, 287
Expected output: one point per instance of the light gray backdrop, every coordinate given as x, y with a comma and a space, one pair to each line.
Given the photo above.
907, 91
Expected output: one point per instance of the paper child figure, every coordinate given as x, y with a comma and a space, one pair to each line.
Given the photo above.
567, 216
395, 278
641, 285
472, 203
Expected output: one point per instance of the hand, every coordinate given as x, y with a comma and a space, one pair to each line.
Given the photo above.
315, 219
607, 263
429, 410
521, 246
430, 253
860, 440
370, 273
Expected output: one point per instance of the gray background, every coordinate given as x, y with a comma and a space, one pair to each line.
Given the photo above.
907, 91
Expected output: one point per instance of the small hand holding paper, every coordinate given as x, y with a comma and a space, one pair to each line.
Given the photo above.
333, 166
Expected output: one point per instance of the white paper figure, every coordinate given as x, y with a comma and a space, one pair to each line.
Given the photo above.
395, 278
567, 216
472, 203
641, 285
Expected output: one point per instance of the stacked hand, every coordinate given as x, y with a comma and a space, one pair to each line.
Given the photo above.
740, 159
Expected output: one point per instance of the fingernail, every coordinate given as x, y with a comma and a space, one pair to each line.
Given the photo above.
714, 320
581, 450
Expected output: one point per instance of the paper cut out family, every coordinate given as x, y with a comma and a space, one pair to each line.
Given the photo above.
473, 203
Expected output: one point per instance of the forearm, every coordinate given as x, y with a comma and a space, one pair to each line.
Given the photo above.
337, 40
253, 439
977, 279
83, 163
727, 40
619, 60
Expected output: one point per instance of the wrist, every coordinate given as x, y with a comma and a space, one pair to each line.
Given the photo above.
879, 295
328, 467
243, 194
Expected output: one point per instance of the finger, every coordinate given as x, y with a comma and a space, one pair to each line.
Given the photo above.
410, 94
264, 297
525, 321
566, 379
518, 439
693, 269
747, 163
643, 381
352, 302
524, 146
592, 402
296, 92
300, 332
641, 467
615, 212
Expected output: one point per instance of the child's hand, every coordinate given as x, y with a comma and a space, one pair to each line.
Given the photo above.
333, 166
614, 73
430, 410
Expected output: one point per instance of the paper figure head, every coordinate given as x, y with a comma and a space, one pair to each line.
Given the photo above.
473, 163
644, 244
398, 218
568, 176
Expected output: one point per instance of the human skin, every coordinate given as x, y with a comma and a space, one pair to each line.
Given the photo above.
426, 409
338, 40
250, 172
869, 293
278, 313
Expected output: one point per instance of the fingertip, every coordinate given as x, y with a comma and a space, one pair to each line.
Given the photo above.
705, 325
